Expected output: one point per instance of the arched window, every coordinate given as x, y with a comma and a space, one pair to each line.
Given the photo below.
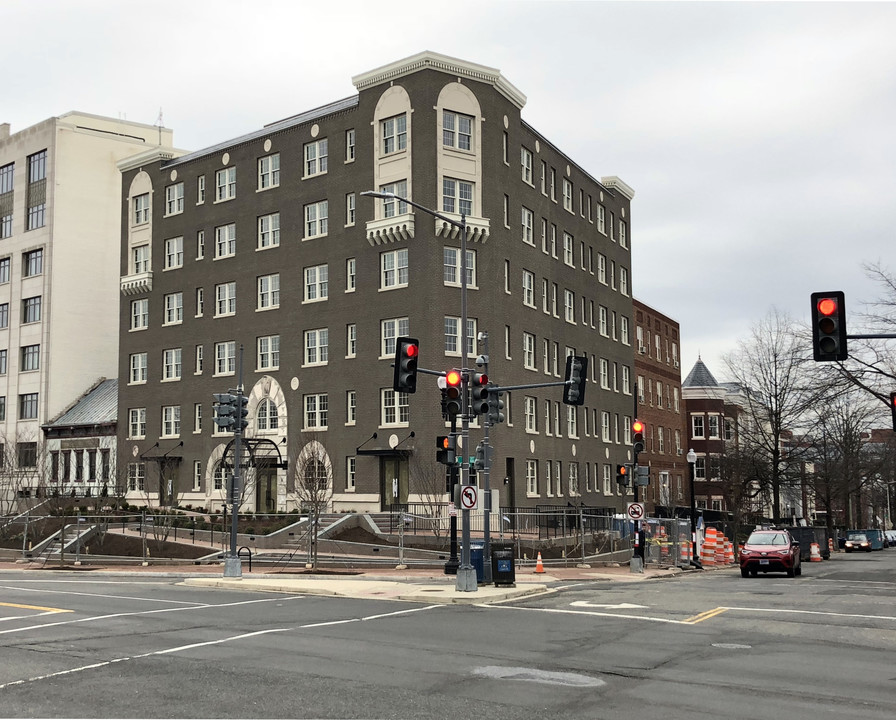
220, 476
266, 416
315, 475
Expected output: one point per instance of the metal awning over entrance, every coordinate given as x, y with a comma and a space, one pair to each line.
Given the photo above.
387, 451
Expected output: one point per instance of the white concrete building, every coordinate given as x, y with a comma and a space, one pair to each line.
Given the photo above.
60, 230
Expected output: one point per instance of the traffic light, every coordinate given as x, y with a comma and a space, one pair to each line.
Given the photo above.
453, 387
242, 412
231, 411
479, 461
622, 474
406, 352
828, 326
637, 437
495, 405
893, 408
447, 446
642, 475
225, 410
576, 375
478, 393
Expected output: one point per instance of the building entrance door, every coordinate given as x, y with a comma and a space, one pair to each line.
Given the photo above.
393, 481
266, 489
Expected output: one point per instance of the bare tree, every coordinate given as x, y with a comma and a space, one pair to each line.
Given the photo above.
313, 486
845, 462
741, 473
872, 364
12, 481
772, 367
161, 499
428, 479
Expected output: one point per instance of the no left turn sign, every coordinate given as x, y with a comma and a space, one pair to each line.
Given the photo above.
635, 511
469, 497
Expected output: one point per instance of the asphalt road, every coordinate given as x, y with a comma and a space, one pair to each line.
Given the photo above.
697, 645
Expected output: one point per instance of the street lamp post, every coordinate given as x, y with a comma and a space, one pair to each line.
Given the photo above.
692, 462
466, 573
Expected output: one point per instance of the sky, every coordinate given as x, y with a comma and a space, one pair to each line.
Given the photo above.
759, 138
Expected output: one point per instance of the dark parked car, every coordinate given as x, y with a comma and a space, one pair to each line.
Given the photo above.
858, 542
770, 551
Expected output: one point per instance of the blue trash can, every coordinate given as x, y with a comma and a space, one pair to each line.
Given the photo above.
476, 560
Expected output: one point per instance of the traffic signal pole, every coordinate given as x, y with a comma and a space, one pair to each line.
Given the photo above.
486, 482
466, 573
232, 565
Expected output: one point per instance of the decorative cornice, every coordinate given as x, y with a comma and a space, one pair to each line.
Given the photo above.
614, 183
451, 66
148, 157
134, 284
477, 229
391, 229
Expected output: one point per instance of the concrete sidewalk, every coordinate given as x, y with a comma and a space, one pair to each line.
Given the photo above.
423, 585
415, 585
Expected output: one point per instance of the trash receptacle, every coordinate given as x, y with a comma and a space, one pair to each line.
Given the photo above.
503, 570
476, 553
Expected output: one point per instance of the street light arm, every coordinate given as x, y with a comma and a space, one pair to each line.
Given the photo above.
434, 213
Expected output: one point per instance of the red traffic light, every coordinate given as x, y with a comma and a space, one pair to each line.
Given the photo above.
637, 426
406, 353
479, 393
829, 326
452, 403
623, 470
827, 306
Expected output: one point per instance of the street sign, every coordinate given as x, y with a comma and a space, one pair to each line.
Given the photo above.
469, 497
635, 511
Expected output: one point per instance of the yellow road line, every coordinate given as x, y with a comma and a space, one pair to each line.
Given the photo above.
34, 607
705, 615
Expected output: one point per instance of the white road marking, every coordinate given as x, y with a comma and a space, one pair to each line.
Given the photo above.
812, 612
96, 618
106, 663
592, 613
44, 591
620, 606
208, 643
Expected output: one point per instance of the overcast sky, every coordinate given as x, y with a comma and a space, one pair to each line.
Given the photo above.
760, 138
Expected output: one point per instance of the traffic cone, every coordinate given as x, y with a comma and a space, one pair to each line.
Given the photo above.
708, 551
539, 566
814, 553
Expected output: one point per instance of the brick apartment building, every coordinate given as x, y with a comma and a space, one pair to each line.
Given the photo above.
659, 407
265, 242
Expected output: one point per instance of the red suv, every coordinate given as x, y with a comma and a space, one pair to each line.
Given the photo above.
770, 551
